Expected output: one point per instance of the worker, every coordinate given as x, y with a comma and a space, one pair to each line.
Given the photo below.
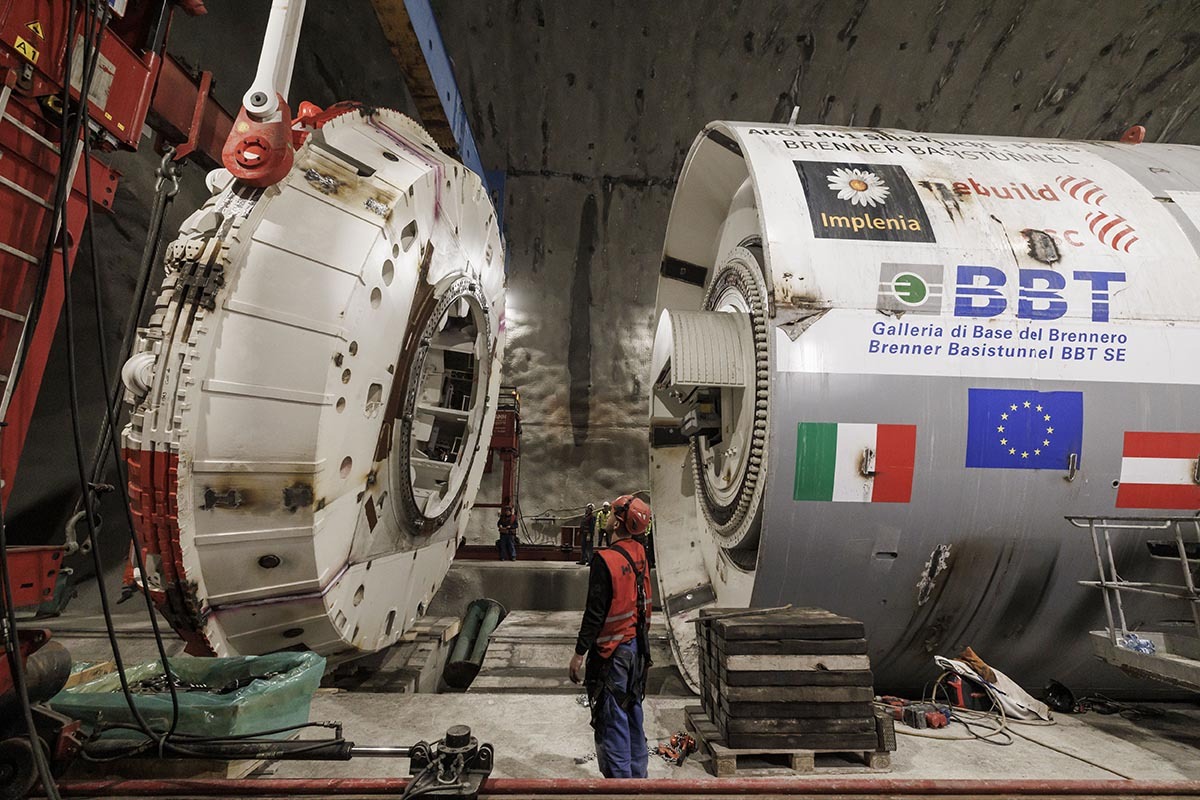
602, 524
507, 525
587, 532
614, 640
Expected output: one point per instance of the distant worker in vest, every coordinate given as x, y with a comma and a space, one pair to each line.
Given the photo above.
614, 638
602, 529
507, 525
587, 533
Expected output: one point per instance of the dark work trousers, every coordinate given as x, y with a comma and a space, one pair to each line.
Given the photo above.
508, 547
586, 549
620, 739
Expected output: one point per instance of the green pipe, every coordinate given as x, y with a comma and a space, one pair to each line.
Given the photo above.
490, 621
468, 634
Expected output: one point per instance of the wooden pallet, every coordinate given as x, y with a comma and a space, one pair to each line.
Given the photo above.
728, 762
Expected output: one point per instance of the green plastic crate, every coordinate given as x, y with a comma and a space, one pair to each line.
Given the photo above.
264, 704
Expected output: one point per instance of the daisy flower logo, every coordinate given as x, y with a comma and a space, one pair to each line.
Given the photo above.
861, 187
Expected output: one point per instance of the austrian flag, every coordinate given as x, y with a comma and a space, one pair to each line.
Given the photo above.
1158, 470
855, 463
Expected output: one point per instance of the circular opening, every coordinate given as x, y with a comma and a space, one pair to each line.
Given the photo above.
358, 594
389, 272
345, 376
395, 251
728, 452
390, 156
347, 464
340, 405
353, 348
269, 561
376, 297
292, 633
446, 407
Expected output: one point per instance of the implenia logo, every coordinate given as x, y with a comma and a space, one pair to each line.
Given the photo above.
874, 202
859, 186
910, 288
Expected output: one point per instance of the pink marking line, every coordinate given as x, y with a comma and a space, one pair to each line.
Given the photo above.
436, 165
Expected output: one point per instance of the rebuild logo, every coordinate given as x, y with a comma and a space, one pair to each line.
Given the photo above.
875, 202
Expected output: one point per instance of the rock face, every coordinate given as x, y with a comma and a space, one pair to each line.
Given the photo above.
590, 109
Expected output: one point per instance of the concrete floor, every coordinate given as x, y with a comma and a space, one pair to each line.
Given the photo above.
541, 732
547, 736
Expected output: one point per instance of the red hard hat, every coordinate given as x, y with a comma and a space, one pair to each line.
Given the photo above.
633, 513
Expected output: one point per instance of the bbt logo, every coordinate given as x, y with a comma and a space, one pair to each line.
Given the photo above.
978, 292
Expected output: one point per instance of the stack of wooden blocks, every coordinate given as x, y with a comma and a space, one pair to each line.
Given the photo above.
796, 679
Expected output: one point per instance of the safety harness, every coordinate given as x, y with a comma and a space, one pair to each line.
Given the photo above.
599, 670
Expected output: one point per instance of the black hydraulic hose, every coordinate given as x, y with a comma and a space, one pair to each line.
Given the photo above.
17, 665
68, 133
113, 387
109, 424
73, 396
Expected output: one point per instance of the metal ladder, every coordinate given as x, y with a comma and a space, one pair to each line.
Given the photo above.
22, 318
1170, 662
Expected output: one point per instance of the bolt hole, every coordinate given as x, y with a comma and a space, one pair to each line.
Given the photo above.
389, 272
359, 594
408, 235
1116, 484
341, 404
376, 297
345, 376
395, 251
390, 156
353, 348
270, 561
347, 464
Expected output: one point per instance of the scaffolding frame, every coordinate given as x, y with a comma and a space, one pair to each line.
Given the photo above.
1111, 583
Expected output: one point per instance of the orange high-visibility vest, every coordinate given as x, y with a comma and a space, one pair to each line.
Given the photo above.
620, 625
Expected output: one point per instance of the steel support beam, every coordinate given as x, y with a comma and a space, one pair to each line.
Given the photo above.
412, 32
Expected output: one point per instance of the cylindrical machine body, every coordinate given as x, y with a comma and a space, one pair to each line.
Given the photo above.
954, 343
305, 449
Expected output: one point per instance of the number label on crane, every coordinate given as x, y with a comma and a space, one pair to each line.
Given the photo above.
27, 50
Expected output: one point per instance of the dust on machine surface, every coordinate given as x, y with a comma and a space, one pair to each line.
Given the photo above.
314, 392
889, 365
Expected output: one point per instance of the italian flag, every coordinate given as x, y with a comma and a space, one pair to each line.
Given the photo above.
1158, 470
830, 456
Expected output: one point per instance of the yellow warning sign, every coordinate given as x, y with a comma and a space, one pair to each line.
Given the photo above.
26, 49
36, 27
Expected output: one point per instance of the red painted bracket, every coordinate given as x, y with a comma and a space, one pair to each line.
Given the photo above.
260, 153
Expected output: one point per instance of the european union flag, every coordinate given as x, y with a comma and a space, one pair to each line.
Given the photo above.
1019, 429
